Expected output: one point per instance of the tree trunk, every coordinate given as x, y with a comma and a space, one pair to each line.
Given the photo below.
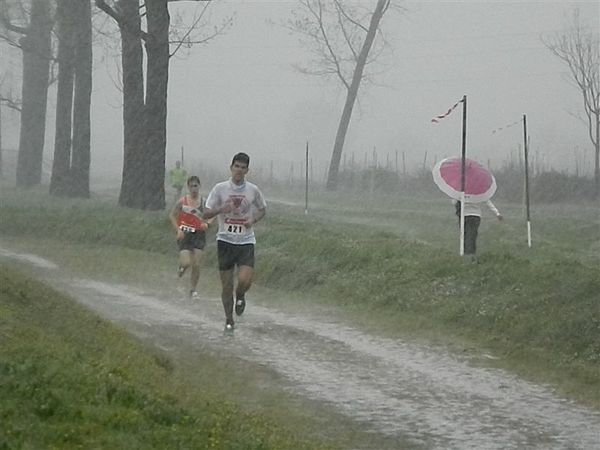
61, 165
157, 49
71, 165
144, 119
597, 158
80, 163
36, 67
134, 173
1, 154
334, 166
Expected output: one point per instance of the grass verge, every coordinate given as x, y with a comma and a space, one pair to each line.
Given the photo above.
72, 380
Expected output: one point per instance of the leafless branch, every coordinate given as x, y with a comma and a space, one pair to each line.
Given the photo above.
341, 15
187, 40
10, 102
194, 24
580, 51
120, 19
334, 32
10, 41
6, 21
342, 11
322, 38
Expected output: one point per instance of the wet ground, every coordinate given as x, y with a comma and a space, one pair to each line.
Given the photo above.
400, 390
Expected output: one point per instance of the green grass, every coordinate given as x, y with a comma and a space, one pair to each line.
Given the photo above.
390, 264
69, 379
396, 268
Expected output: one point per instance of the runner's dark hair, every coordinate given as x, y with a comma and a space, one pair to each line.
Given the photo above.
241, 157
193, 178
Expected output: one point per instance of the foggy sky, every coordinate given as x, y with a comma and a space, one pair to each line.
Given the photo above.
240, 93
244, 94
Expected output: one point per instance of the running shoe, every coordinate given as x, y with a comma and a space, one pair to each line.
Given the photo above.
228, 331
194, 295
181, 271
240, 305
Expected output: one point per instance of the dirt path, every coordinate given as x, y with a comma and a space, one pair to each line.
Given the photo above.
404, 391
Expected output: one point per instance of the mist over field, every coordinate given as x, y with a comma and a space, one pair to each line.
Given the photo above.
240, 92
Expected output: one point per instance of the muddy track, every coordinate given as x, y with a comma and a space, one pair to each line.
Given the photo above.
401, 390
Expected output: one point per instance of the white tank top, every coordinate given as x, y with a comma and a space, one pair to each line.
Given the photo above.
246, 199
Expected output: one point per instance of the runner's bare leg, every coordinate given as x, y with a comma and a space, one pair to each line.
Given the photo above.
244, 280
227, 293
185, 258
195, 275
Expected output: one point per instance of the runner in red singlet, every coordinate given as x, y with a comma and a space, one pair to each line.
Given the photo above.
186, 218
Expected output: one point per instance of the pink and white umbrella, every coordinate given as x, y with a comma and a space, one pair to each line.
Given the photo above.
480, 184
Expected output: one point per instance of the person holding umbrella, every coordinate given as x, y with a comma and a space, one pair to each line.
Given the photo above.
466, 179
472, 214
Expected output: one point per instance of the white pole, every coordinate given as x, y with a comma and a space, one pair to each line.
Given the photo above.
526, 152
462, 224
463, 175
306, 183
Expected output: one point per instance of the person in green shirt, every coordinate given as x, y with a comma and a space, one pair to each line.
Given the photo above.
177, 179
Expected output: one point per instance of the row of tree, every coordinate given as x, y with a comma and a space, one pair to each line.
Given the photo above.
341, 36
344, 37
32, 26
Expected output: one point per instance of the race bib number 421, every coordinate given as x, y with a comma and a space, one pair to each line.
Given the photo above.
234, 228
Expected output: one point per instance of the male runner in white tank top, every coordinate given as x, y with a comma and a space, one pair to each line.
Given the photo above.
238, 204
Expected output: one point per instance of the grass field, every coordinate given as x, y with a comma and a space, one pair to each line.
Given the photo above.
397, 264
389, 264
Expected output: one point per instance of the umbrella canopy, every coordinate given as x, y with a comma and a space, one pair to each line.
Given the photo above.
480, 184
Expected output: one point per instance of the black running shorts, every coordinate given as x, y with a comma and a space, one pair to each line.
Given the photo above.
192, 241
231, 255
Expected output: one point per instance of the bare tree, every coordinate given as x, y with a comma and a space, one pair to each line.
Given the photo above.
5, 100
580, 51
71, 163
341, 42
126, 14
1, 164
187, 32
144, 109
35, 43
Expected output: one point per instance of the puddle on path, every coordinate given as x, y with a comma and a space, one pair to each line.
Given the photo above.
28, 258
